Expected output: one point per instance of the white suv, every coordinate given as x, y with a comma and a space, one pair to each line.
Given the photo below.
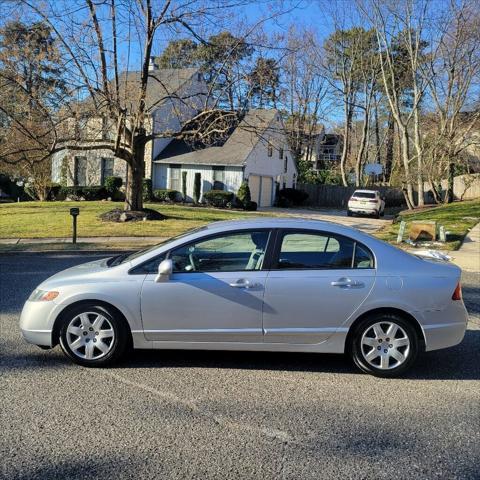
368, 202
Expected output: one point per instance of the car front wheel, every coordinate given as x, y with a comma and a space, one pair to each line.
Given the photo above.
93, 336
384, 345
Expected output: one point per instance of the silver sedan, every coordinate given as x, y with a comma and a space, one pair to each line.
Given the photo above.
260, 285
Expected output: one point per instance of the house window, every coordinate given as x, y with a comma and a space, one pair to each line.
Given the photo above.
270, 149
80, 171
280, 154
175, 177
285, 165
107, 169
218, 178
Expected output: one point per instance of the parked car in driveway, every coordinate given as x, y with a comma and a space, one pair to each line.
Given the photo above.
261, 285
366, 202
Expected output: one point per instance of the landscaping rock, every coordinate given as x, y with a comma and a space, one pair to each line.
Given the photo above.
118, 215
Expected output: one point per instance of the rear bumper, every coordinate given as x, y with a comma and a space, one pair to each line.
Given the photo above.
366, 210
445, 328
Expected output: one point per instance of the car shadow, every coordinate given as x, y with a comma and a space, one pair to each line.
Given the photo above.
461, 362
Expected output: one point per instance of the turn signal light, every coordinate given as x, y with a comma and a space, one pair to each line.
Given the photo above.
49, 296
457, 294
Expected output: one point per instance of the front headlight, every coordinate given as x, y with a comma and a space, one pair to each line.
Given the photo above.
43, 295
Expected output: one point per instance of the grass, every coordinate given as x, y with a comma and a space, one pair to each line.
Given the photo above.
457, 218
52, 219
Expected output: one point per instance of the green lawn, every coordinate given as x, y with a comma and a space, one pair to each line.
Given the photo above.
52, 219
457, 218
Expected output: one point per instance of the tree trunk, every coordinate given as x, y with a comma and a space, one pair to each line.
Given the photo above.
389, 148
136, 173
405, 141
346, 142
449, 194
419, 150
361, 150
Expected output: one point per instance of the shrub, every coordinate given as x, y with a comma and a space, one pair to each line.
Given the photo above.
86, 193
197, 187
147, 189
251, 206
218, 198
288, 197
112, 185
243, 194
166, 195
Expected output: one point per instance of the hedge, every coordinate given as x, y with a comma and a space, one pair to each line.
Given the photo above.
288, 197
86, 193
166, 195
218, 198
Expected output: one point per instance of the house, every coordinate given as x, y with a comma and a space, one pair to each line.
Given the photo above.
173, 96
255, 151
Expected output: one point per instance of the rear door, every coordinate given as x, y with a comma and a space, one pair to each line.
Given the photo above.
317, 282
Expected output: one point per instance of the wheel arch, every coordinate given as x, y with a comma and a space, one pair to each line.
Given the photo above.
101, 303
392, 310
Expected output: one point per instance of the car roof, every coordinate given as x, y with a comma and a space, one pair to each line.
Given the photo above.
366, 191
282, 222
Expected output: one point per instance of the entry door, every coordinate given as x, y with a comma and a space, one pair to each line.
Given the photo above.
215, 293
319, 281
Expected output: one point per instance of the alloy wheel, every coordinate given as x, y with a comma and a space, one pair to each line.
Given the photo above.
385, 345
90, 335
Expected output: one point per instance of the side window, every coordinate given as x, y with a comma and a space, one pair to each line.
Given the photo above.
363, 257
236, 251
315, 251
150, 266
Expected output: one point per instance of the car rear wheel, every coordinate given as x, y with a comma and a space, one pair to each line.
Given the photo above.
384, 345
349, 213
93, 336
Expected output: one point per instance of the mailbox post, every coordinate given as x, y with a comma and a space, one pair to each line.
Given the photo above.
74, 212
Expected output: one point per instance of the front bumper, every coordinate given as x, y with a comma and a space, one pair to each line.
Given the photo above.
37, 320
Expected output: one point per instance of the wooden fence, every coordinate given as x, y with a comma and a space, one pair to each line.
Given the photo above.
337, 196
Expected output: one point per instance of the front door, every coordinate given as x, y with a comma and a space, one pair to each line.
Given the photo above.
318, 281
215, 293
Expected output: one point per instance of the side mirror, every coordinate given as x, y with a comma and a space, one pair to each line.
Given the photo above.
164, 271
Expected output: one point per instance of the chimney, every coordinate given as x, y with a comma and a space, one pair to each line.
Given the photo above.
153, 65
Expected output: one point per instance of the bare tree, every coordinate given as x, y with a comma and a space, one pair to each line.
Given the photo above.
99, 40
401, 25
453, 76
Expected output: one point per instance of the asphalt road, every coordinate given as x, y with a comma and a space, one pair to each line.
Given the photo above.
229, 415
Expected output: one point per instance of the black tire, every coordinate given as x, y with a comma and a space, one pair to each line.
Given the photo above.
349, 213
382, 213
117, 346
376, 215
357, 353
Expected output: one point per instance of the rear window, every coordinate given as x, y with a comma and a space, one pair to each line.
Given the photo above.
364, 195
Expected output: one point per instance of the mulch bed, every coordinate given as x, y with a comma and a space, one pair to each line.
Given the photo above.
118, 215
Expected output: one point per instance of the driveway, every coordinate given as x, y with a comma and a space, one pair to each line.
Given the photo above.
367, 224
232, 415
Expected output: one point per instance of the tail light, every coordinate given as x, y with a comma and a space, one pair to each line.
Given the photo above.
457, 294
372, 201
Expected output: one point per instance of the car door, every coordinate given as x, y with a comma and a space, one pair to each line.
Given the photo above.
318, 280
215, 293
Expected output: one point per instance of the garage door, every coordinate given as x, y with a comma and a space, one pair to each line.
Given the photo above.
266, 192
254, 184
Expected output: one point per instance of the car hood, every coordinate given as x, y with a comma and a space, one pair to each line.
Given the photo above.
83, 272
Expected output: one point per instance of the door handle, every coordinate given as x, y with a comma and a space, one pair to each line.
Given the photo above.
347, 283
244, 284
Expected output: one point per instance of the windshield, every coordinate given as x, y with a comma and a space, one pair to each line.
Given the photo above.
364, 194
127, 257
